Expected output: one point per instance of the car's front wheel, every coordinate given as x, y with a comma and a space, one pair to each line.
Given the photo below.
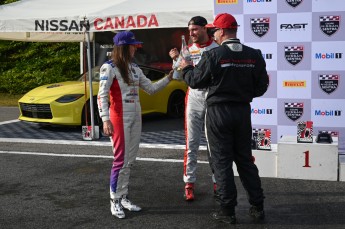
176, 104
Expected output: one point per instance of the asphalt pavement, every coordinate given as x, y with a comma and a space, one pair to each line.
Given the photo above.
46, 185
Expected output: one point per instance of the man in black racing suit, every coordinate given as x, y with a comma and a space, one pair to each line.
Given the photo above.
234, 74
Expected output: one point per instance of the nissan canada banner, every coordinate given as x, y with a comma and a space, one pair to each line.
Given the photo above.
76, 16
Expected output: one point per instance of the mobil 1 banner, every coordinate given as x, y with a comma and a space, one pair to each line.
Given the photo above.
264, 111
328, 85
328, 113
328, 57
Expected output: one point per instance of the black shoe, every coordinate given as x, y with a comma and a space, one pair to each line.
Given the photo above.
220, 216
216, 195
257, 212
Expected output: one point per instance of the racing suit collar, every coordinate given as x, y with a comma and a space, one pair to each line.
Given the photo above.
231, 40
204, 44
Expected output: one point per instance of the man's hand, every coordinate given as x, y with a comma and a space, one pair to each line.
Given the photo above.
174, 53
108, 128
184, 63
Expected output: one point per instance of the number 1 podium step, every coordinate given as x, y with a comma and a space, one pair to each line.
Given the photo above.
309, 161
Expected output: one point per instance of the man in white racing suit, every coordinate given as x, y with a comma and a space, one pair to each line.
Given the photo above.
195, 105
120, 80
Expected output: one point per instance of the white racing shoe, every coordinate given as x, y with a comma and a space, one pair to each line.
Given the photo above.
127, 204
117, 209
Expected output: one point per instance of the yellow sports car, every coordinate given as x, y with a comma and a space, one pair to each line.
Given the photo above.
65, 103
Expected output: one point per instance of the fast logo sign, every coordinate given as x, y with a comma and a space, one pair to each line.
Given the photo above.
294, 54
260, 26
294, 111
329, 24
329, 83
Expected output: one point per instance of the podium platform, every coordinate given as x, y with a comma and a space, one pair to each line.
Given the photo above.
341, 167
310, 161
265, 160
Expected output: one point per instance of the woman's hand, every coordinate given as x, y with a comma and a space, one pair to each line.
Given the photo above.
170, 75
108, 128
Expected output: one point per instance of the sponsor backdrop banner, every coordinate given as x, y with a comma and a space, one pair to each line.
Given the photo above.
303, 43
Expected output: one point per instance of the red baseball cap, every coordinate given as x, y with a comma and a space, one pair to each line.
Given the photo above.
223, 21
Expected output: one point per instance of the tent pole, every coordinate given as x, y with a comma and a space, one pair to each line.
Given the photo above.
81, 54
90, 85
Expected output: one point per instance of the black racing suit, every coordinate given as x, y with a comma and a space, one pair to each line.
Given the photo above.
234, 74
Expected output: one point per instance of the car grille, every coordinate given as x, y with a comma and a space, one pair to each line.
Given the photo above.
36, 110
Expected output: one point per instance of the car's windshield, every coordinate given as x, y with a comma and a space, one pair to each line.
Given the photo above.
95, 75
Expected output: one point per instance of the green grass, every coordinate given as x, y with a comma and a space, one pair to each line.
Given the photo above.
7, 100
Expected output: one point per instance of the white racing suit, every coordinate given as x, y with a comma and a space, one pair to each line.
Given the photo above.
125, 115
195, 107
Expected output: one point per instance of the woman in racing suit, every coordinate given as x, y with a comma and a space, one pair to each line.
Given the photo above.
120, 80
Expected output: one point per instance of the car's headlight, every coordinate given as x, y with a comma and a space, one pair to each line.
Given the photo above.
69, 98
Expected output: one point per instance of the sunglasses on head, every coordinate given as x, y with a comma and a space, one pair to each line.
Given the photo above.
213, 30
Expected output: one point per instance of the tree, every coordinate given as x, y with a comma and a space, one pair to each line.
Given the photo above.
26, 65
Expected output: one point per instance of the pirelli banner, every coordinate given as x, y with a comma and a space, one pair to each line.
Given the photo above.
303, 43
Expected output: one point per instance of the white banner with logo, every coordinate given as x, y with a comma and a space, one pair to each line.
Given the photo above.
303, 44
101, 15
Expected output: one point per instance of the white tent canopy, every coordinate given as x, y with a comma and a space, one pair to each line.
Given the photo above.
64, 20
36, 20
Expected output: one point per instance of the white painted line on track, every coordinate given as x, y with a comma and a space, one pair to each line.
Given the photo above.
92, 143
56, 142
93, 156
54, 154
10, 121
165, 160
